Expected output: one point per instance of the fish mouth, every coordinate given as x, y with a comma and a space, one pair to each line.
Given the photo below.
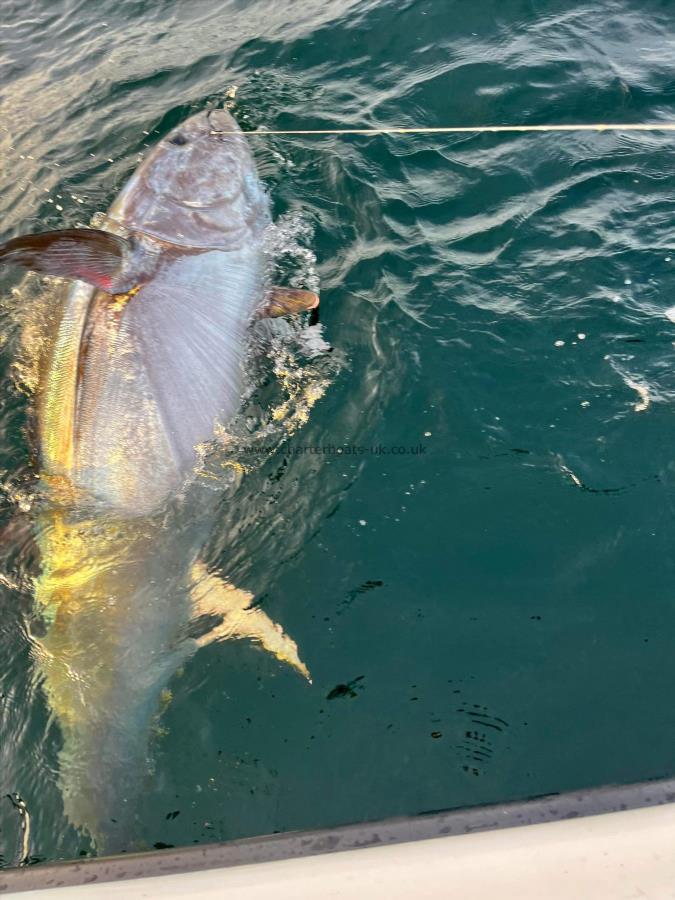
210, 123
221, 122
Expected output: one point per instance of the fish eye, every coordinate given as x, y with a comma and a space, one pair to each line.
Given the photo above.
178, 139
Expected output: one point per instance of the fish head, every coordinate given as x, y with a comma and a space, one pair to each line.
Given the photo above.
197, 188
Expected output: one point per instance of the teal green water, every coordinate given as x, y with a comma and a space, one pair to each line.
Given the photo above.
492, 618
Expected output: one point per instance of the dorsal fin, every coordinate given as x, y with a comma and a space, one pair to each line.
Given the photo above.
98, 257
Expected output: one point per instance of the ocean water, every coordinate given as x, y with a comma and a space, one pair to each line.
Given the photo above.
487, 614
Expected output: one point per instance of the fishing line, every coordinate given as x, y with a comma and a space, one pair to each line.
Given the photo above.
597, 127
462, 129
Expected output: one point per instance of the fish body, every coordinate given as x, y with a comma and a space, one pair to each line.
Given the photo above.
146, 356
134, 385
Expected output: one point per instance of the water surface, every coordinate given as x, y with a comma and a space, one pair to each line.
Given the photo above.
488, 618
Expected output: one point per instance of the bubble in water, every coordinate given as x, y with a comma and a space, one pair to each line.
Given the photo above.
288, 255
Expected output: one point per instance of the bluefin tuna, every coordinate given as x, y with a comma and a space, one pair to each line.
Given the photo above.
146, 354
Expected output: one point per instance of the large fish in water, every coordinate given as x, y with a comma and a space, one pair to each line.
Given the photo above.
147, 353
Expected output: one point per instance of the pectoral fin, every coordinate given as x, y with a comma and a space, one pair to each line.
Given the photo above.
282, 301
212, 596
86, 254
